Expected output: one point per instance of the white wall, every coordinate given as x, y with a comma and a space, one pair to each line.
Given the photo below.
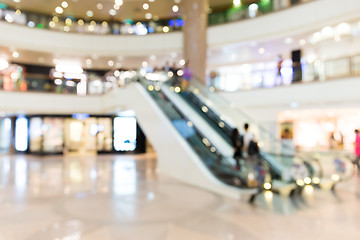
48, 103
77, 44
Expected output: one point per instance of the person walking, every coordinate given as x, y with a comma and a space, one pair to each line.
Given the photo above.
187, 76
237, 142
357, 150
248, 137
279, 79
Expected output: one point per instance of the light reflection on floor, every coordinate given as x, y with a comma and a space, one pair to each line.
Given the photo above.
122, 197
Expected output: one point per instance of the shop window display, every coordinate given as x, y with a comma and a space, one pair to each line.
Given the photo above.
12, 78
53, 134
79, 134
21, 134
125, 133
35, 132
322, 130
5, 134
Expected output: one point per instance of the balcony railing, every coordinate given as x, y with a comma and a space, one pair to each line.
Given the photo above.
257, 76
130, 27
14, 79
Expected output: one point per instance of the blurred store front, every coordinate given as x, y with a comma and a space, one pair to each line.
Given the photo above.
321, 129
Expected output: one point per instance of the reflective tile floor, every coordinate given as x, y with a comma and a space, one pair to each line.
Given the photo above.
122, 197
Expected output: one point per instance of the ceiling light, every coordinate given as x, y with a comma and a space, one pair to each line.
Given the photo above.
104, 24
59, 10
18, 12
148, 16
99, 6
9, 18
68, 22
182, 62
70, 83
145, 6
17, 1
175, 8
58, 75
165, 29
51, 24
80, 22
261, 50
55, 19
66, 28
343, 28
88, 61
116, 7
93, 23
327, 32
58, 81
111, 63
151, 0
144, 64
31, 24
64, 4
89, 13
288, 40
236, 3
119, 2
15, 54
253, 7
302, 42
112, 12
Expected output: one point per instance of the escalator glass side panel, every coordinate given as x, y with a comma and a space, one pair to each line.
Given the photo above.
220, 167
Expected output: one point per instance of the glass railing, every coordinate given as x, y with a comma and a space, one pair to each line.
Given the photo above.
257, 77
228, 13
248, 176
15, 78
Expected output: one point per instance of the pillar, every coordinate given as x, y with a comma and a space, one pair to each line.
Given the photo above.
195, 37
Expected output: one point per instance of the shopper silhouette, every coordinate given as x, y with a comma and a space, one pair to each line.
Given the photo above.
279, 79
237, 142
357, 150
187, 76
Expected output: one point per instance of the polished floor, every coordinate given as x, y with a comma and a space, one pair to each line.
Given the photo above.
122, 197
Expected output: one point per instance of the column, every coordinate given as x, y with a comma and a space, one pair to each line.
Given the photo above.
195, 42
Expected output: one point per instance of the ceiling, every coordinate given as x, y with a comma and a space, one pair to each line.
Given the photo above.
131, 9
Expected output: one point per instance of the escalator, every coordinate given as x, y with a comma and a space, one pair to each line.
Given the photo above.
289, 170
289, 174
203, 140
